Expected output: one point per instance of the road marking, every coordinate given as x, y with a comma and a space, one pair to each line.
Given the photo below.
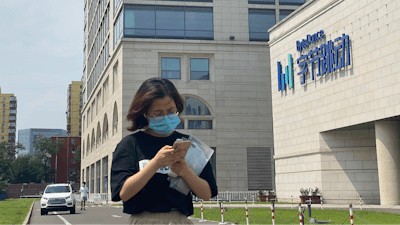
116, 216
63, 219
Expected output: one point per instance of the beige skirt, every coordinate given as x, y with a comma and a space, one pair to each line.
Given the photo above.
173, 217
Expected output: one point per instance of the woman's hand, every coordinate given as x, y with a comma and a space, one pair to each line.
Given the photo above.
180, 168
167, 156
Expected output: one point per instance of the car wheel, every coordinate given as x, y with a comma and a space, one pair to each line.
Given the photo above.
72, 211
43, 212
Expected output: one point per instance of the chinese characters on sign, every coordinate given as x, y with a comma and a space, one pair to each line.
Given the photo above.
325, 59
329, 57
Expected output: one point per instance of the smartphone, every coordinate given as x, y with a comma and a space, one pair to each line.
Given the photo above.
182, 145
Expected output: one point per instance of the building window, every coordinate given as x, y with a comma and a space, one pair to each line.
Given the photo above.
116, 5
4, 105
171, 68
199, 69
269, 2
284, 13
2, 137
260, 20
197, 115
291, 2
73, 150
115, 119
118, 28
181, 126
175, 22
200, 124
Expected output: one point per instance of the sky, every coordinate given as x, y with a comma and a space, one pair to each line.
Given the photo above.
41, 46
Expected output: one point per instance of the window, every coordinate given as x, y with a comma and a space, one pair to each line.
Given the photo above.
171, 68
260, 20
181, 126
105, 128
176, 22
118, 28
2, 131
291, 2
98, 134
4, 105
115, 74
116, 5
284, 13
197, 114
199, 69
2, 137
73, 150
115, 119
190, 0
200, 124
269, 2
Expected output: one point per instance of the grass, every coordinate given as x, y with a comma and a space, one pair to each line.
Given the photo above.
14, 211
291, 216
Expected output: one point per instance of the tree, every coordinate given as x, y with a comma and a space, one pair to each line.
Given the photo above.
28, 169
77, 160
7, 156
44, 149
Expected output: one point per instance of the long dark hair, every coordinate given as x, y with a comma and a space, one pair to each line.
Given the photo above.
150, 90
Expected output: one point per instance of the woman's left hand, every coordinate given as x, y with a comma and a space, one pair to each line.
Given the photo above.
180, 168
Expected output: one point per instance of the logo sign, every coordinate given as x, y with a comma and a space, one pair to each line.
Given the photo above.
286, 78
327, 58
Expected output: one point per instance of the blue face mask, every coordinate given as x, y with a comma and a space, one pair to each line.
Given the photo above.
164, 124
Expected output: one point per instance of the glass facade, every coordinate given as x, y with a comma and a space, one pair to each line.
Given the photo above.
291, 2
171, 22
260, 20
171, 68
269, 2
284, 13
199, 69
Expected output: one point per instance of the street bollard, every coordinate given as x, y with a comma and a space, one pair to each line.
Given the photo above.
210, 203
322, 207
272, 213
202, 216
222, 214
300, 215
351, 214
291, 197
360, 203
247, 210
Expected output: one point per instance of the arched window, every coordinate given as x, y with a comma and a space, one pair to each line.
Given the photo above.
196, 115
88, 145
115, 119
93, 140
105, 128
98, 134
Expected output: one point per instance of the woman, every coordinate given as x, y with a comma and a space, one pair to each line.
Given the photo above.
140, 161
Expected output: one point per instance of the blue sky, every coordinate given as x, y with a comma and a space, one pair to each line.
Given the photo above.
41, 46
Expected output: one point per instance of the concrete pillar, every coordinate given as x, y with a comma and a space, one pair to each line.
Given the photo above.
388, 154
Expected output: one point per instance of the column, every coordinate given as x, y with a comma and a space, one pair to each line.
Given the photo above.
388, 154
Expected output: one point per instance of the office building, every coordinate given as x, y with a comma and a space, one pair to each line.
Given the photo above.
216, 54
27, 137
335, 78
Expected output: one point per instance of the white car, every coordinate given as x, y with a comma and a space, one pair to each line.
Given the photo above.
57, 197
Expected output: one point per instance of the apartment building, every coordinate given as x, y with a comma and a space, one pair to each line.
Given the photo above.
8, 118
74, 107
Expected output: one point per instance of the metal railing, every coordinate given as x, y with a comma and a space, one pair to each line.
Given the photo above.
232, 196
95, 198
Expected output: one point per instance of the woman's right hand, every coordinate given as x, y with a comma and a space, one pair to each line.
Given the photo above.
167, 156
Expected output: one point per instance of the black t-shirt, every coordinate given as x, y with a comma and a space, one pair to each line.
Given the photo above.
156, 195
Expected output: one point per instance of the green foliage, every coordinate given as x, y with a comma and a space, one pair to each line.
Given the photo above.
3, 185
7, 157
14, 211
310, 192
29, 169
77, 160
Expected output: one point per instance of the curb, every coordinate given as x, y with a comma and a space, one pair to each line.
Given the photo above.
28, 217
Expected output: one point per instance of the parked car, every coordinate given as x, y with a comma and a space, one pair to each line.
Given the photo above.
57, 197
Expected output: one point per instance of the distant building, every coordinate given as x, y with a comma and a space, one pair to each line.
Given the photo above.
74, 118
27, 137
65, 166
8, 118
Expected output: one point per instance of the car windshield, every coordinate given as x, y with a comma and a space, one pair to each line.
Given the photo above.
57, 189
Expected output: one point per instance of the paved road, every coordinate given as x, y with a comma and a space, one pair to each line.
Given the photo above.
94, 214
